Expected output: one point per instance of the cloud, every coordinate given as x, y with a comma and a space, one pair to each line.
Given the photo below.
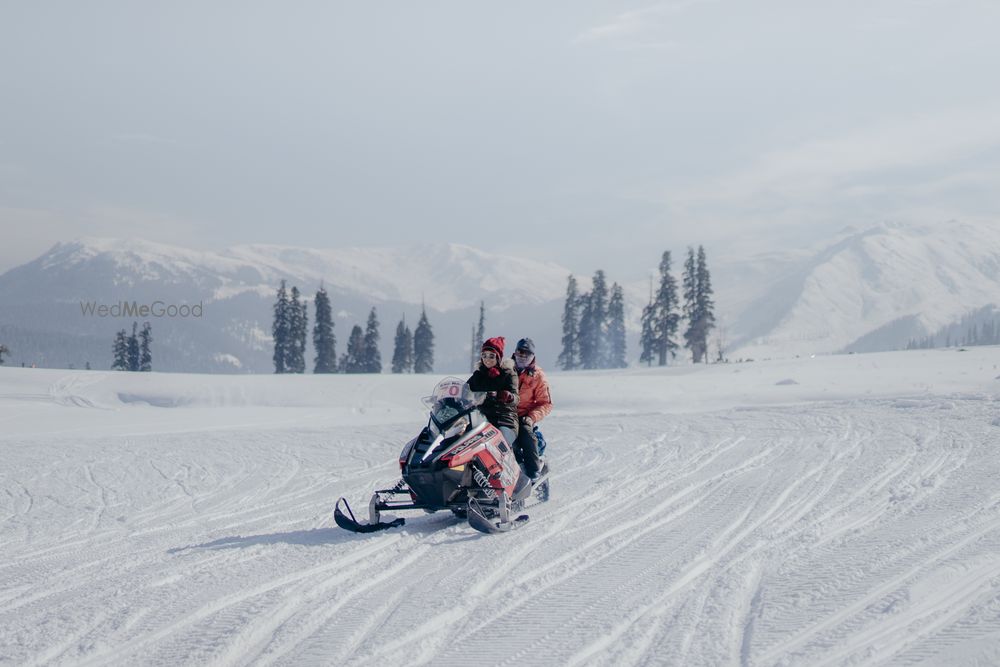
637, 25
875, 170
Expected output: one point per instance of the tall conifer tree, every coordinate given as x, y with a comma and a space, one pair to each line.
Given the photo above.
145, 354
352, 361
666, 319
372, 358
587, 337
402, 352
706, 305
280, 329
423, 345
699, 308
298, 325
324, 340
134, 354
594, 324
474, 351
481, 327
120, 349
690, 309
569, 358
647, 336
616, 328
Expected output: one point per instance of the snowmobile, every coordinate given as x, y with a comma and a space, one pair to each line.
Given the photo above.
458, 462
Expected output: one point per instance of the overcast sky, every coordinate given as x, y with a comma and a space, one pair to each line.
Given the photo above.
592, 133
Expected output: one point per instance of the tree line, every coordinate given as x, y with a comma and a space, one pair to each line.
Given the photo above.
984, 333
132, 352
593, 326
593, 323
413, 351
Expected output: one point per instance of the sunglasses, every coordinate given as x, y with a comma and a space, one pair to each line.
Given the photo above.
489, 355
524, 354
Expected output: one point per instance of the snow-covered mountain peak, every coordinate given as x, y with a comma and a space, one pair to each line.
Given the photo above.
448, 275
924, 275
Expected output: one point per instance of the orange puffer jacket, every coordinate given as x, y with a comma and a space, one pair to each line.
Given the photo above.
535, 399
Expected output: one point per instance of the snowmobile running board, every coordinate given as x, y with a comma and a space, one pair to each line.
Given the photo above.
348, 522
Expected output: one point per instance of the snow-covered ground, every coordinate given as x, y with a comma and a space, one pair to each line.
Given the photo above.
834, 510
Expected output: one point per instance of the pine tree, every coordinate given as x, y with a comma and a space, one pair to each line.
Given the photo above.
145, 355
402, 352
665, 317
706, 305
480, 328
423, 345
569, 358
586, 337
699, 308
133, 348
298, 326
647, 337
302, 335
594, 324
120, 350
372, 358
280, 330
352, 361
3, 350
474, 351
324, 340
690, 309
616, 328
478, 333
599, 312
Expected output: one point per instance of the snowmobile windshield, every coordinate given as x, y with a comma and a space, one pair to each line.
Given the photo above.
451, 398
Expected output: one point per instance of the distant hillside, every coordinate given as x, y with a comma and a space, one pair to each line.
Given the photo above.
874, 290
40, 302
869, 290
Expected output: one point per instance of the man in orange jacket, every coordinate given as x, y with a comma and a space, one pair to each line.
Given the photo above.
534, 404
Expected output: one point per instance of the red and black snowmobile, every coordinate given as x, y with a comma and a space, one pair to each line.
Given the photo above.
459, 462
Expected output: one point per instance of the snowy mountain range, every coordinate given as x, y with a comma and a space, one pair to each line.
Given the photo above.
48, 307
871, 290
864, 290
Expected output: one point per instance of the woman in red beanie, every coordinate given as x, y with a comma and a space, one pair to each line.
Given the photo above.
497, 376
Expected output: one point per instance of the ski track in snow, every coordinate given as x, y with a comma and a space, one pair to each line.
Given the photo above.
858, 532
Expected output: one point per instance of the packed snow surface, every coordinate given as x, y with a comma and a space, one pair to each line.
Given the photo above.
834, 510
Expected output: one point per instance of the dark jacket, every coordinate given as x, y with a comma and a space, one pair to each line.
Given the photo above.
497, 412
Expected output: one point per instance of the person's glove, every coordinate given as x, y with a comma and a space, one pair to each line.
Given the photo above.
528, 422
493, 372
505, 396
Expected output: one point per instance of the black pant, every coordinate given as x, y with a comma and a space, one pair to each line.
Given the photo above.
526, 450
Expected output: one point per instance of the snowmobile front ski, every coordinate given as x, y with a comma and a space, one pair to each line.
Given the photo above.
479, 521
348, 522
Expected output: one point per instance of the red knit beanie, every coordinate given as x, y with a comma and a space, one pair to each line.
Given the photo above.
495, 344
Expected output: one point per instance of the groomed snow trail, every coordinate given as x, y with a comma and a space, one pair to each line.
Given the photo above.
853, 532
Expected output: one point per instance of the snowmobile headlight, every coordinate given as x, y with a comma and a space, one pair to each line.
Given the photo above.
458, 428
